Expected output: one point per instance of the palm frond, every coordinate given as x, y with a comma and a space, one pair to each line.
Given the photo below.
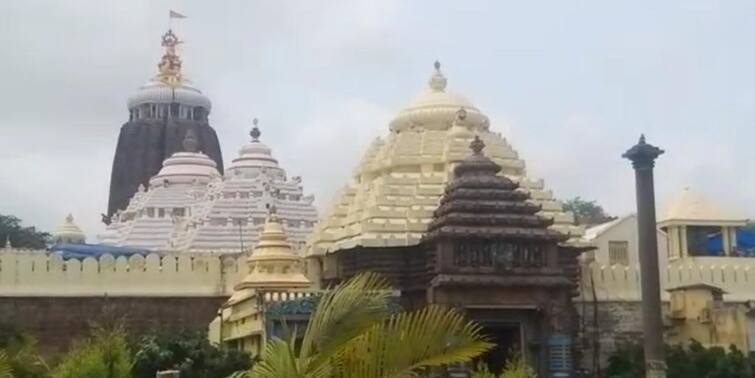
278, 361
5, 369
407, 342
342, 314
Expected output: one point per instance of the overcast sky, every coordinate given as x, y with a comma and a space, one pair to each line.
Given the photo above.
571, 84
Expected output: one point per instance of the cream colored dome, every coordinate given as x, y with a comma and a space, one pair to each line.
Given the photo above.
186, 167
436, 108
68, 232
158, 92
169, 85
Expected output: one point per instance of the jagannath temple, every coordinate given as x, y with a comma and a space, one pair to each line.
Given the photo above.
160, 114
442, 206
190, 205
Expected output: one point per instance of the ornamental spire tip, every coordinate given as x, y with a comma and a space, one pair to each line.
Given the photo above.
477, 145
169, 68
255, 133
438, 81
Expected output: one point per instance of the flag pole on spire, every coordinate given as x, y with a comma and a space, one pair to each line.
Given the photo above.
173, 14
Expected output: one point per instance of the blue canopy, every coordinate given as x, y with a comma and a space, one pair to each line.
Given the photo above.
745, 243
81, 251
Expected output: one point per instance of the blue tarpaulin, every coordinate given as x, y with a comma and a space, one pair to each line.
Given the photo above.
745, 244
81, 251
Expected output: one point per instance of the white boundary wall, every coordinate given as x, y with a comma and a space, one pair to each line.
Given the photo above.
735, 275
39, 273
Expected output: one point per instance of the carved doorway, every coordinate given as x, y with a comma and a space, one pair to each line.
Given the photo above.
507, 338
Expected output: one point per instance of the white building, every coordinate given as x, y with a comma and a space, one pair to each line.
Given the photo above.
616, 242
684, 226
190, 207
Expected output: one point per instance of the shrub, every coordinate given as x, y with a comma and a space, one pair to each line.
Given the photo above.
515, 367
189, 352
694, 361
104, 355
20, 354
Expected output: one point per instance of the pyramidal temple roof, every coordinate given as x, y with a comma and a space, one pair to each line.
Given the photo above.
272, 264
690, 207
401, 178
480, 203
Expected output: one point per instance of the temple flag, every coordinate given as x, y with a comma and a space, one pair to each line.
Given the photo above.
174, 14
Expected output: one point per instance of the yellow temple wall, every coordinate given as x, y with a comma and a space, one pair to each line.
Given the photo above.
735, 275
29, 273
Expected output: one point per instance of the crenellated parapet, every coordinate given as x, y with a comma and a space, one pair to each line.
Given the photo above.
621, 283
39, 273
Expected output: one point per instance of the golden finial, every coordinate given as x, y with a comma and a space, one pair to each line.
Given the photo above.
170, 63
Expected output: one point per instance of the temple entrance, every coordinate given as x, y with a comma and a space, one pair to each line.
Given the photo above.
508, 340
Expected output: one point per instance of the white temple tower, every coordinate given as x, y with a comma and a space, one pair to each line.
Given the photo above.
189, 208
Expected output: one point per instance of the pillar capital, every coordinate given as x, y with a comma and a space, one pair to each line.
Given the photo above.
642, 154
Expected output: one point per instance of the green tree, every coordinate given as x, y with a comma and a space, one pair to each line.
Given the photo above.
587, 212
354, 333
189, 352
104, 355
694, 361
20, 236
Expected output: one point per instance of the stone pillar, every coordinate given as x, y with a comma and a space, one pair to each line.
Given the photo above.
643, 157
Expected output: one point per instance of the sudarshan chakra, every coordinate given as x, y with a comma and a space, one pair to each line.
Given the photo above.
400, 180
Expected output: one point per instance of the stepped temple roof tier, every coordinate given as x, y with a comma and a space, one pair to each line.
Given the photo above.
237, 205
399, 182
481, 204
68, 233
273, 265
489, 252
152, 219
188, 207
160, 114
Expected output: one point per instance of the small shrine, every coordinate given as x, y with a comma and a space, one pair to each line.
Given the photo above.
275, 276
67, 232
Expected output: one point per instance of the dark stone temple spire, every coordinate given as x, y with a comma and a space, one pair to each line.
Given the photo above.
161, 113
